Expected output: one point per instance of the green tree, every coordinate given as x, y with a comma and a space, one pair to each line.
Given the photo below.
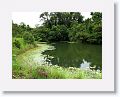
62, 26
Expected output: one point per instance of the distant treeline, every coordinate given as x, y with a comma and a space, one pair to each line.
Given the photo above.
62, 26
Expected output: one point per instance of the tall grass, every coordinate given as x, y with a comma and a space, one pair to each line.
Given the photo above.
23, 46
52, 72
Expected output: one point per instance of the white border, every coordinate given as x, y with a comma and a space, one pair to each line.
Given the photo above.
104, 84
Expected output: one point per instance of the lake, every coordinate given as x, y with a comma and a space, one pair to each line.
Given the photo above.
74, 55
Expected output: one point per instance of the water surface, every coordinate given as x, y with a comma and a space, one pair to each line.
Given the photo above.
74, 55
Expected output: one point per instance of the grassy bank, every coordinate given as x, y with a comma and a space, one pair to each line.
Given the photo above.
20, 46
26, 68
52, 72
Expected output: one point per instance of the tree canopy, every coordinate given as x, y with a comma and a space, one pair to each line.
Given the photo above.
63, 26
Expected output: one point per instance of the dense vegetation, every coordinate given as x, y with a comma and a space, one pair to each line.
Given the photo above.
63, 26
56, 27
52, 72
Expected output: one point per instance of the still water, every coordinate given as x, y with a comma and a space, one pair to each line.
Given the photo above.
74, 55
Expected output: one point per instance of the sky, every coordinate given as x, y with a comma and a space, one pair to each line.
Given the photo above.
32, 18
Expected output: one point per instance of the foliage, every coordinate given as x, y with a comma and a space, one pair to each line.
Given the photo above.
52, 72
70, 26
28, 37
40, 33
20, 46
18, 30
62, 26
17, 44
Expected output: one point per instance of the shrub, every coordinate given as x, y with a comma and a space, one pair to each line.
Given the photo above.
17, 44
28, 37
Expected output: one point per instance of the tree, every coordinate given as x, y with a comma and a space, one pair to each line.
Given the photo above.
63, 26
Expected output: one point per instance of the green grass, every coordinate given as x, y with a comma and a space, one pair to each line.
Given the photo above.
52, 72
23, 46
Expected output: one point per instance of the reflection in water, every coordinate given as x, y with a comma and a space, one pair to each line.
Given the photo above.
75, 55
85, 65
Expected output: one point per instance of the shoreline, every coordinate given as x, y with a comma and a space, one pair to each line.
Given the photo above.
32, 53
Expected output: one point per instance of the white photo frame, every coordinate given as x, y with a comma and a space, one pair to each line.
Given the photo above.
104, 84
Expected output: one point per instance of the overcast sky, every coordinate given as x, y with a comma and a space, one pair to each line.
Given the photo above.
32, 18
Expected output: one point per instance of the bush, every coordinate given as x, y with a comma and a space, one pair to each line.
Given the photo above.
29, 38
17, 44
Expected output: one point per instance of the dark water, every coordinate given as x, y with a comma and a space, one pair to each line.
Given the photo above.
75, 55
